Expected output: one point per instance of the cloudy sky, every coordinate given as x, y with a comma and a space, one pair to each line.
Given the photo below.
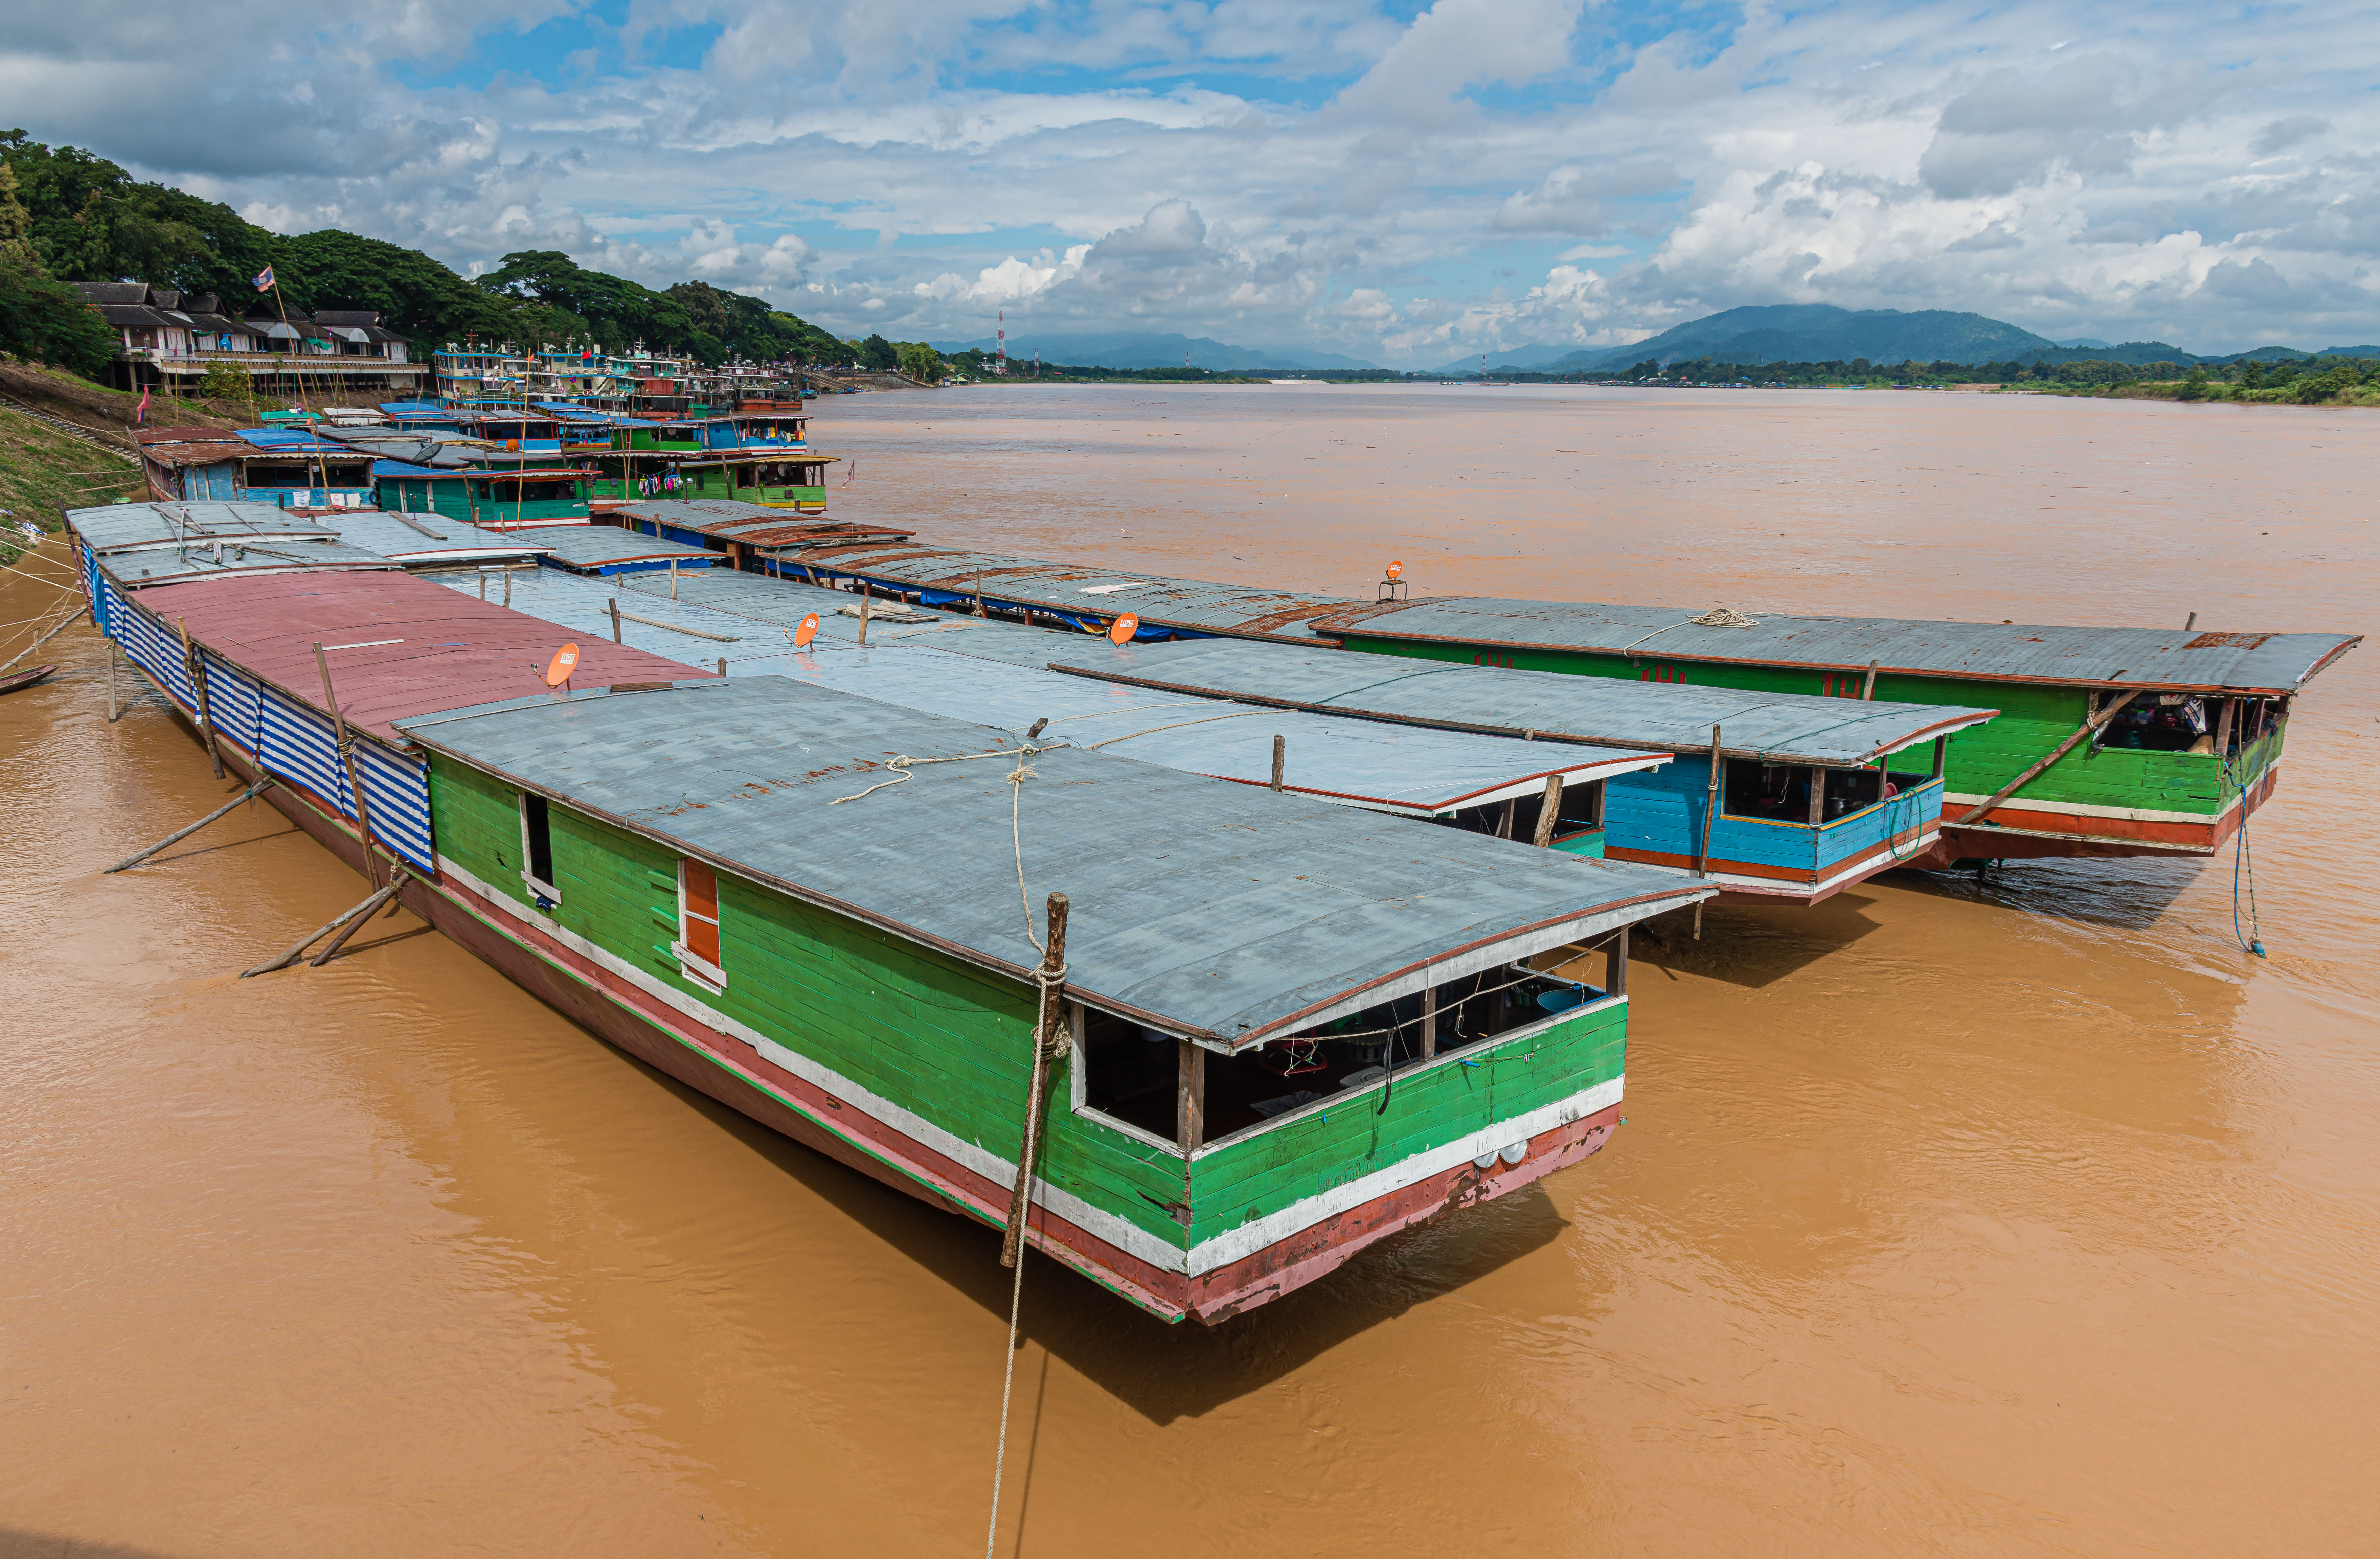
1400, 183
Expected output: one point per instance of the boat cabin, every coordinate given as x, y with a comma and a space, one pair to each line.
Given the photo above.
1807, 797
2110, 741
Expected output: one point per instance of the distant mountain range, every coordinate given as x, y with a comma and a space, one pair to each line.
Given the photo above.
1819, 333
1152, 351
1791, 333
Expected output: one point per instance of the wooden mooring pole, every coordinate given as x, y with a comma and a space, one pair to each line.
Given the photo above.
1710, 812
224, 810
1048, 1041
197, 670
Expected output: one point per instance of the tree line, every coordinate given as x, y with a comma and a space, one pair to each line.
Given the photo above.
67, 215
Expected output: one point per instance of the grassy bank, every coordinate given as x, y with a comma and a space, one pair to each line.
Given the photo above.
45, 468
2213, 391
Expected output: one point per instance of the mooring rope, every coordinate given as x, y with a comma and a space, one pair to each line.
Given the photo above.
2244, 864
1043, 1050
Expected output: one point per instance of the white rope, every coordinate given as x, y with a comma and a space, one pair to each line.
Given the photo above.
1177, 725
1045, 979
1722, 617
904, 763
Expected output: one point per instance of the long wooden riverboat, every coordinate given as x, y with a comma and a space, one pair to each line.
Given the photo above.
1290, 1028
1809, 797
2110, 742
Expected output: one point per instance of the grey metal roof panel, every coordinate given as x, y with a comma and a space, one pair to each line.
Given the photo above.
146, 525
784, 604
420, 540
2212, 660
587, 546
138, 568
1201, 907
1410, 769
1157, 600
1670, 716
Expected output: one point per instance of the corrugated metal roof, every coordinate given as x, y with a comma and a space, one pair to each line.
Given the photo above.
2208, 660
1673, 716
182, 432
1200, 907
145, 525
420, 540
194, 452
784, 603
1363, 763
754, 524
577, 545
143, 568
410, 646
1158, 600
997, 673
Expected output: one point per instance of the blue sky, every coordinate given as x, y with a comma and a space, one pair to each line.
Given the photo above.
1402, 183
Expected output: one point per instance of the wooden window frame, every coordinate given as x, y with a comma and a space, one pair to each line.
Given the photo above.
543, 890
693, 966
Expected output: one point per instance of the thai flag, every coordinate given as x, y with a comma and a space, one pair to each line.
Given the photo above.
264, 279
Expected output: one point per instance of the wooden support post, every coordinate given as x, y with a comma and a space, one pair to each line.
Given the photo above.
2087, 728
297, 950
1504, 827
1050, 1038
867, 605
1818, 797
980, 610
348, 761
723, 665
197, 670
1867, 689
2222, 721
1941, 752
1615, 964
1548, 811
1279, 760
1190, 1102
612, 605
1428, 1021
2191, 626
1712, 796
110, 687
483, 583
135, 859
508, 585
673, 579
363, 914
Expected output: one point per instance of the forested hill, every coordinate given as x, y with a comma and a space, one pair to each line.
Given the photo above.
86, 220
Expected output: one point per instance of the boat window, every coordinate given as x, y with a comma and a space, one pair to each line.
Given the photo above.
1773, 792
1132, 1074
2161, 723
697, 911
537, 849
1516, 817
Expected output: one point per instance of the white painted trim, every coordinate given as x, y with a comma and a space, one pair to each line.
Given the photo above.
2079, 809
1115, 1230
1209, 1255
1254, 1236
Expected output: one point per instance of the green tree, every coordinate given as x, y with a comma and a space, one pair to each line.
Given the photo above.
921, 361
2193, 385
878, 353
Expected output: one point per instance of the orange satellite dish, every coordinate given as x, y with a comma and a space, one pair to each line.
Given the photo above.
1121, 630
806, 631
564, 661
1396, 570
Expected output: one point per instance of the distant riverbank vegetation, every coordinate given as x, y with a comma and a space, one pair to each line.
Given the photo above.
66, 215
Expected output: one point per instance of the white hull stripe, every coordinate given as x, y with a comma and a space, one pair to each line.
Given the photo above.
1221, 1250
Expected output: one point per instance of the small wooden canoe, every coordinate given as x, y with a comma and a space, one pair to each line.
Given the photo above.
15, 680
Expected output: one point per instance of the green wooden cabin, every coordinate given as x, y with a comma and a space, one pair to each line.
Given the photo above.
1288, 1028
2110, 741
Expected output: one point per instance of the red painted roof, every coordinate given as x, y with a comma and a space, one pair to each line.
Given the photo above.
454, 650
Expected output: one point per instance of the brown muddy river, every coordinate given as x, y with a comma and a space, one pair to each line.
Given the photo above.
2028, 1216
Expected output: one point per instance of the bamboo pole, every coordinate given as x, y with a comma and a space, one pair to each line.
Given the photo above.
111, 685
1048, 1041
388, 894
54, 629
1710, 813
866, 604
348, 761
1867, 689
2088, 727
196, 672
178, 834
297, 950
612, 606
1549, 812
